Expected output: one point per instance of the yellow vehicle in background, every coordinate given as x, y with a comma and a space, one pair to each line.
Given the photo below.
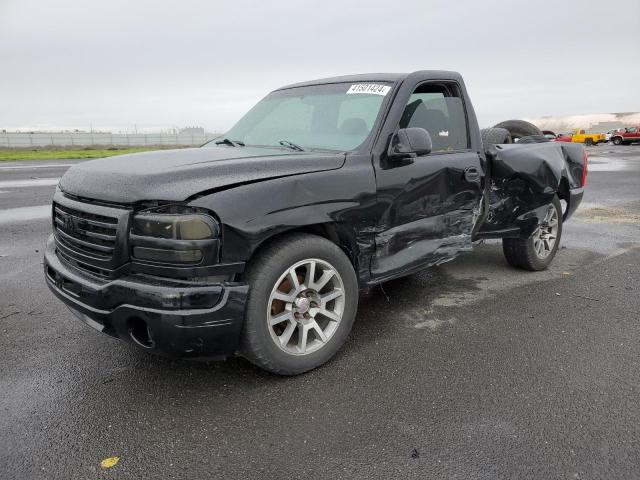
580, 136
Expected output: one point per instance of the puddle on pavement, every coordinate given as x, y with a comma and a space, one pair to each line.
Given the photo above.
605, 164
411, 302
428, 300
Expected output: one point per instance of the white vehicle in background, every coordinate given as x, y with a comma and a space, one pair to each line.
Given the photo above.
609, 134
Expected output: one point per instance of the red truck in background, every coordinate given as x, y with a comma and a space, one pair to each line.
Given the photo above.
556, 137
564, 137
626, 136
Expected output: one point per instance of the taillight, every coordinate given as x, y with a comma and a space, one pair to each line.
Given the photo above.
585, 159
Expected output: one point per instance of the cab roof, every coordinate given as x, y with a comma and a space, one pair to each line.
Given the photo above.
375, 77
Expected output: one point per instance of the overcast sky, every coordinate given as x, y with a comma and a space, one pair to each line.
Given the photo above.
158, 64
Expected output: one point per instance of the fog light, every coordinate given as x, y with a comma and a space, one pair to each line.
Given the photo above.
167, 256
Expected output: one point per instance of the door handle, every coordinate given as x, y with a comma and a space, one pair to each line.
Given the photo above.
472, 175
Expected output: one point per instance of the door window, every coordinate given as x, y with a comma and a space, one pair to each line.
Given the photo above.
438, 108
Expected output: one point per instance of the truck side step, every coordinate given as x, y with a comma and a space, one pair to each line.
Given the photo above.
505, 232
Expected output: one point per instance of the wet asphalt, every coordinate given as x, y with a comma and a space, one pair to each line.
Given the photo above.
470, 370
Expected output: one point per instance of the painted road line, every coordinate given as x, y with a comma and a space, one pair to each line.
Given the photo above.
30, 182
25, 214
29, 167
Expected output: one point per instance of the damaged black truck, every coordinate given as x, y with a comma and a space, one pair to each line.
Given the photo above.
258, 242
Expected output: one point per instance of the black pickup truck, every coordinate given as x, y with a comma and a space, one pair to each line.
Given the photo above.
258, 242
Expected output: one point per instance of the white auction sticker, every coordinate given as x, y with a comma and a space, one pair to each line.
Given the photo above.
372, 88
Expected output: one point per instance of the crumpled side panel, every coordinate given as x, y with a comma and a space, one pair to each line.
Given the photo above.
425, 242
525, 178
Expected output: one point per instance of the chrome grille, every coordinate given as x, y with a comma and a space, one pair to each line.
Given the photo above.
89, 233
89, 236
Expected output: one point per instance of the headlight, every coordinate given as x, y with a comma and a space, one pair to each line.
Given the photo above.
174, 234
175, 226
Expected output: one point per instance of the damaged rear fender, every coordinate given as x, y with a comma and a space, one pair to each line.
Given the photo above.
524, 179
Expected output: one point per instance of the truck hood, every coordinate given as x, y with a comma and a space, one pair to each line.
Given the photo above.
176, 175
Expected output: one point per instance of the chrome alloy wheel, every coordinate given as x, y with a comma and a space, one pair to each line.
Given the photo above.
305, 307
544, 238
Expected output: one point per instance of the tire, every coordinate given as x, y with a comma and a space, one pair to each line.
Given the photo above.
276, 346
524, 253
588, 142
495, 136
519, 129
617, 140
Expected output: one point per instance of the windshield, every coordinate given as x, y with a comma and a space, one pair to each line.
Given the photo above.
326, 117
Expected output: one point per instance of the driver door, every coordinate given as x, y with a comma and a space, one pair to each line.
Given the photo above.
428, 203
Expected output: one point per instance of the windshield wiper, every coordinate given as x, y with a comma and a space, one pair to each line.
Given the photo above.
291, 145
228, 141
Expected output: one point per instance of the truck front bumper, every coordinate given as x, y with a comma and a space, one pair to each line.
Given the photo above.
162, 316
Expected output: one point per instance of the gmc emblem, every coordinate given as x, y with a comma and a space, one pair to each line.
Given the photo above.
69, 225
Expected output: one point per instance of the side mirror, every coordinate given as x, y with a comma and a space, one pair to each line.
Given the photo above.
412, 141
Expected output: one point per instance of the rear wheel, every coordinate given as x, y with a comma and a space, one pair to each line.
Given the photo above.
302, 302
537, 251
588, 142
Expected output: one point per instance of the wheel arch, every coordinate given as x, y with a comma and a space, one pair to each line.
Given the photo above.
563, 193
338, 234
563, 189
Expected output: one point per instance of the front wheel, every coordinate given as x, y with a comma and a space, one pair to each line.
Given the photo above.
536, 252
617, 141
302, 303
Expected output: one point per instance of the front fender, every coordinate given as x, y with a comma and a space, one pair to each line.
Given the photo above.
251, 214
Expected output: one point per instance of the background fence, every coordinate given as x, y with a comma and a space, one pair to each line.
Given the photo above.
26, 140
